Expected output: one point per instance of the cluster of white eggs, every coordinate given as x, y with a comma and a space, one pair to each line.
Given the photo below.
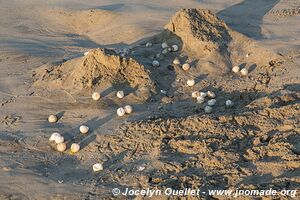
186, 66
126, 110
165, 49
60, 140
200, 98
236, 69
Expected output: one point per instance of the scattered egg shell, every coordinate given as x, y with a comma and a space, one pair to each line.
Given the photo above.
61, 147
244, 71
83, 129
195, 94
97, 167
96, 96
155, 63
164, 45
236, 69
148, 44
86, 53
200, 99
190, 82
186, 66
229, 103
141, 168
121, 112
208, 109
128, 109
211, 102
59, 140
176, 61
163, 92
203, 94
165, 51
54, 136
52, 119
169, 49
120, 94
75, 148
175, 47
211, 94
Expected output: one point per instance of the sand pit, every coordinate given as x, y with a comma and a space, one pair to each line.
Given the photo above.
157, 134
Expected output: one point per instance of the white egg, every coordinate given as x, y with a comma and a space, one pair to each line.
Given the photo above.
175, 47
96, 96
195, 94
61, 147
176, 61
211, 102
97, 167
83, 129
229, 103
52, 119
54, 136
121, 112
86, 53
155, 63
235, 69
164, 45
59, 140
211, 94
244, 71
148, 44
75, 148
190, 82
128, 109
208, 109
186, 66
200, 99
120, 94
203, 94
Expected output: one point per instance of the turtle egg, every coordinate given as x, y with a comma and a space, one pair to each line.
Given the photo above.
75, 148
121, 112
165, 51
211, 102
96, 96
200, 99
190, 82
244, 71
186, 66
61, 147
175, 47
164, 45
83, 129
54, 136
195, 94
86, 53
208, 109
203, 94
211, 94
236, 69
128, 109
148, 44
120, 94
59, 139
176, 61
52, 119
97, 167
229, 103
155, 63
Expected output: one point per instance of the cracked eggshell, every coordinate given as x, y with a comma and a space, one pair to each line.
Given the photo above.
97, 167
54, 136
211, 102
96, 96
155, 63
186, 66
59, 140
195, 94
120, 94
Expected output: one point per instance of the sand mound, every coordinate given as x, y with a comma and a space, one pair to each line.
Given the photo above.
200, 31
100, 66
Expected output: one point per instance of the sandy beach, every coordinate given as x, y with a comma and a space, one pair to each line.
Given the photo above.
196, 123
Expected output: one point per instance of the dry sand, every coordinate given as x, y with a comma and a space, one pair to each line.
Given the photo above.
253, 145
